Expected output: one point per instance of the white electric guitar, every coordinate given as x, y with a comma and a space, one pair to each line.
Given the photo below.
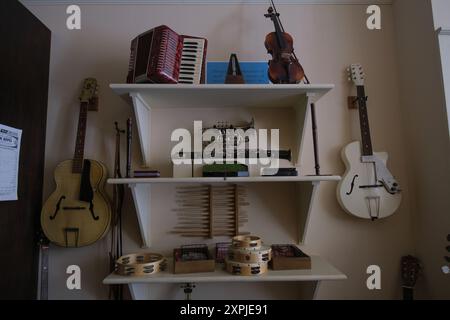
368, 190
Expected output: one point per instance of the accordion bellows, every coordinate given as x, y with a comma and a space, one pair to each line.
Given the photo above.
160, 55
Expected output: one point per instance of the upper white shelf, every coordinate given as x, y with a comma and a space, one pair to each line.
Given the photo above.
222, 95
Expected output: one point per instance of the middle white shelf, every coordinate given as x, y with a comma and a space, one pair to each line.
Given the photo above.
221, 180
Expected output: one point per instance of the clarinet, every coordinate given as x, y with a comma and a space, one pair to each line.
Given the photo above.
280, 154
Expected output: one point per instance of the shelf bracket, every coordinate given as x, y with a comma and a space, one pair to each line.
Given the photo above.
139, 291
142, 114
141, 196
301, 116
307, 192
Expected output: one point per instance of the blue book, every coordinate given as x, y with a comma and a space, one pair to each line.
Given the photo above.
254, 72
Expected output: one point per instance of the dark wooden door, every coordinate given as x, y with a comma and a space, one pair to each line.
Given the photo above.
24, 68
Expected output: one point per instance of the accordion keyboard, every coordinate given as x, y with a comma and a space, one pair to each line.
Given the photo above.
191, 61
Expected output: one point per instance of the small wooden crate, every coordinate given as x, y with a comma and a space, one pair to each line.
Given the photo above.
289, 257
193, 259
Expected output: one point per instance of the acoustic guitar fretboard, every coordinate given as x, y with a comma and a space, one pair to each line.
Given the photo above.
78, 156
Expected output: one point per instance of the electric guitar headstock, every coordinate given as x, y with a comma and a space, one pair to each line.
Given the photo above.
411, 271
356, 74
89, 93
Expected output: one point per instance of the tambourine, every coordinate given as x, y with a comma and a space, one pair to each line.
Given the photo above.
244, 255
246, 242
246, 269
140, 264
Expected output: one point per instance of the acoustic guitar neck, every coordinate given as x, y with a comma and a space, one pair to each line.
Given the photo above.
78, 155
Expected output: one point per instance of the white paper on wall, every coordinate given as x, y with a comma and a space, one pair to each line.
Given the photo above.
9, 162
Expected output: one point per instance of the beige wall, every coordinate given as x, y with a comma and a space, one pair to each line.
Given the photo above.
425, 120
327, 39
441, 18
441, 13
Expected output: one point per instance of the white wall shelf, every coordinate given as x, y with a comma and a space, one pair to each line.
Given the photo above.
141, 191
320, 270
145, 97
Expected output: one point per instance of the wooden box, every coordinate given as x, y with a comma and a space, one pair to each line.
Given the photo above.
289, 257
193, 259
222, 251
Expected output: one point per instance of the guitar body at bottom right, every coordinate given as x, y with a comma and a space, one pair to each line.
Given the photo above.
353, 193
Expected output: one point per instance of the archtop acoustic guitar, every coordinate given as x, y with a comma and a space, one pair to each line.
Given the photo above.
78, 212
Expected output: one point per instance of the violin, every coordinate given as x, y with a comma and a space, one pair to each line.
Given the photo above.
284, 67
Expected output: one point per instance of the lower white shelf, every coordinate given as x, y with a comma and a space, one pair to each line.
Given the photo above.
321, 270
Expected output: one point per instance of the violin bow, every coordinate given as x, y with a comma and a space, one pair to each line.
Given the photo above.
272, 4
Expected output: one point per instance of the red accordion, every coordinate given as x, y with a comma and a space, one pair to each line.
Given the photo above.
160, 55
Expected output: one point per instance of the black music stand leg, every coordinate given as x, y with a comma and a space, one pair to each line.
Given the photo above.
315, 139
